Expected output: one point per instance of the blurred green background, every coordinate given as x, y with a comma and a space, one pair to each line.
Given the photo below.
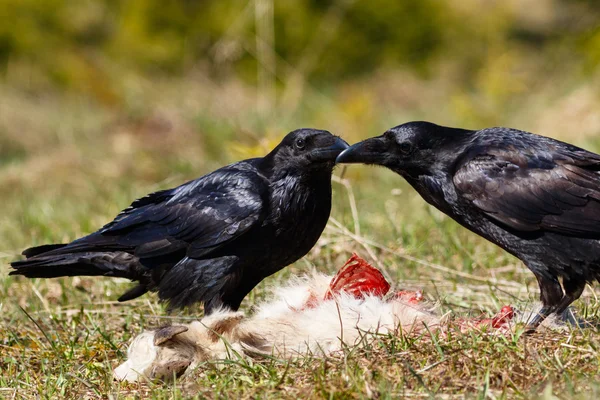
102, 101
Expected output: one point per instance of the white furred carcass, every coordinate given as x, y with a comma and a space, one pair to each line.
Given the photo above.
316, 315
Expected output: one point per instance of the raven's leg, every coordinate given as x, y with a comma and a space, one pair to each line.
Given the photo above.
573, 290
551, 296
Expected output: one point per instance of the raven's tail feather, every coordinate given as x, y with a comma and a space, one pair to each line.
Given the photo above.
34, 251
117, 264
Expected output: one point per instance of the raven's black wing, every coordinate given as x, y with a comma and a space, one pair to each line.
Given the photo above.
534, 184
192, 219
179, 228
200, 215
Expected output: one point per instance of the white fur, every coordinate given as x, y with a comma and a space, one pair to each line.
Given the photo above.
295, 321
140, 355
284, 326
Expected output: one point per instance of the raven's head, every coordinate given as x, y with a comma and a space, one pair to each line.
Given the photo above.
307, 149
411, 149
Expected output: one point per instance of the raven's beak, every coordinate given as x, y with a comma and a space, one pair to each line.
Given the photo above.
331, 152
370, 151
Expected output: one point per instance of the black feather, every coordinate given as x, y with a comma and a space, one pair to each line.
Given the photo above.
34, 251
213, 239
536, 197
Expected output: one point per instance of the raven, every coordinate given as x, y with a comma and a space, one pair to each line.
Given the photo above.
535, 197
213, 239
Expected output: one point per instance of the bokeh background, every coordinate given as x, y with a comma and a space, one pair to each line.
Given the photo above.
103, 101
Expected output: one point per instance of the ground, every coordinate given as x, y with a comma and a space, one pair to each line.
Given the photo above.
61, 338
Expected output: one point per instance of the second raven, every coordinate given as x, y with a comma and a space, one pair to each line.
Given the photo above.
536, 197
210, 240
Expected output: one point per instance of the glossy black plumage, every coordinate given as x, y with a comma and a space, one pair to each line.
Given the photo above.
213, 239
536, 197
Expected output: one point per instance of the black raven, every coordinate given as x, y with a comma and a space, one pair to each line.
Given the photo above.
213, 239
535, 197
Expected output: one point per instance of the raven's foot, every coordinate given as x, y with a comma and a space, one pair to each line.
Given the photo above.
537, 319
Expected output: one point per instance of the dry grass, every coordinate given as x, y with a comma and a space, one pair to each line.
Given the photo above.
73, 165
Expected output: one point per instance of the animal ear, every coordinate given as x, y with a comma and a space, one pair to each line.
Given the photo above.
167, 333
222, 324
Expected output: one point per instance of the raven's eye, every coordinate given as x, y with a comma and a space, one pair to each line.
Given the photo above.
405, 148
300, 144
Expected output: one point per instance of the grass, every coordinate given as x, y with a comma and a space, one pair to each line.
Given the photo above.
67, 166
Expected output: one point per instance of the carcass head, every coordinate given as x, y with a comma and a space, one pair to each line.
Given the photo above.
170, 351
